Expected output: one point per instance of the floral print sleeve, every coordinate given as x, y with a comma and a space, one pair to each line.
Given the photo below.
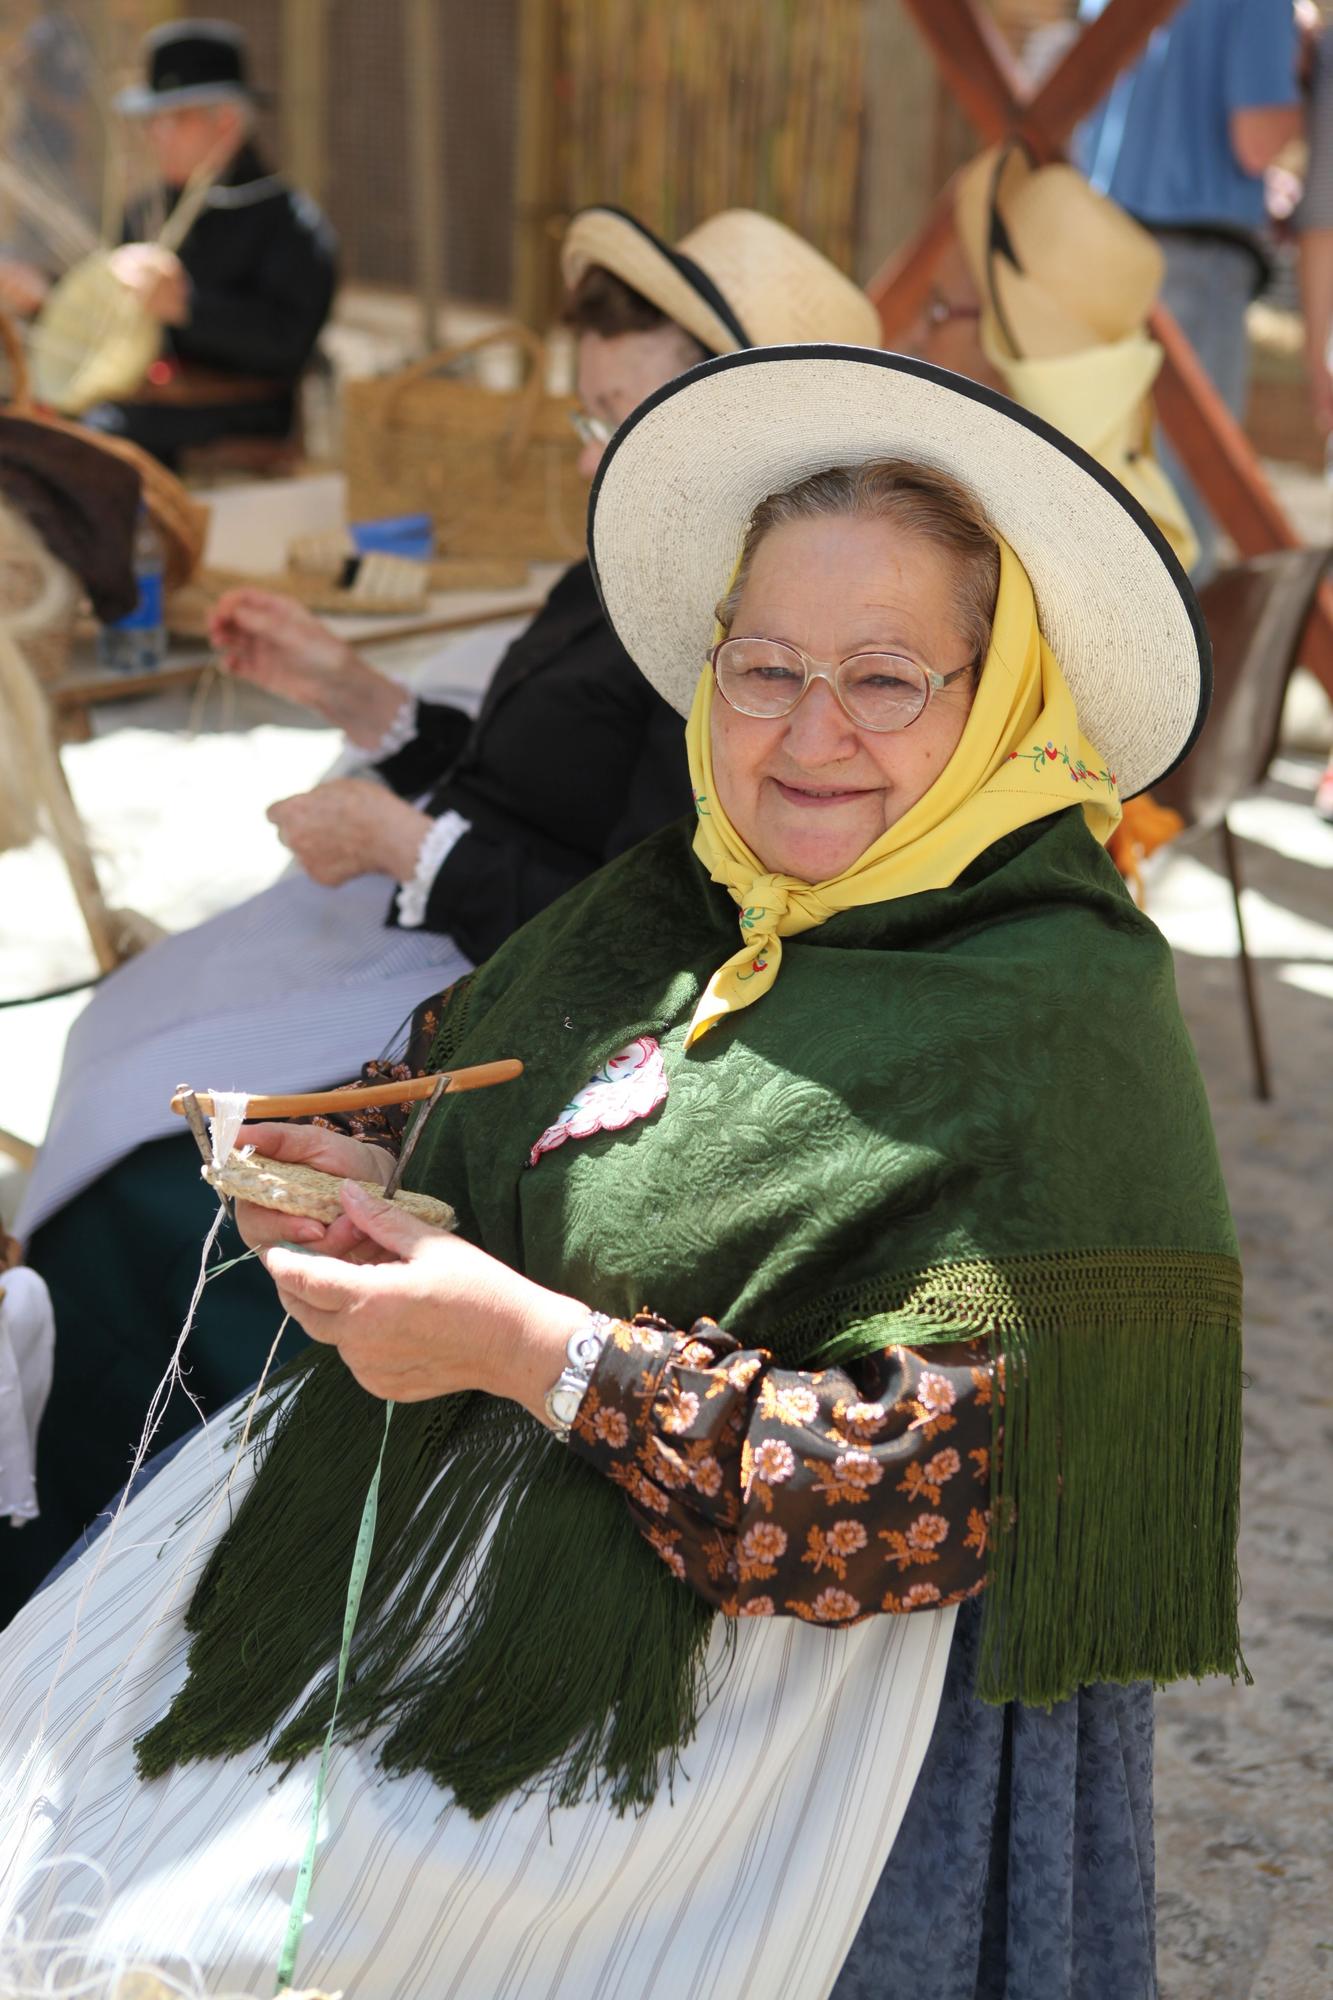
828, 1496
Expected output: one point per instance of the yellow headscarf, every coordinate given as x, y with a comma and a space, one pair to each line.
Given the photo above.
1021, 755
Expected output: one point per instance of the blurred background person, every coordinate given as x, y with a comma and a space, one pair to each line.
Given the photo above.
1182, 142
242, 303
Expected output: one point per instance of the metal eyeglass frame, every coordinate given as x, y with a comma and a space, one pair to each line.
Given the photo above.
825, 670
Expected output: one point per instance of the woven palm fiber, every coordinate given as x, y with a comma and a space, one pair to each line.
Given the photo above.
301, 1190
694, 108
496, 469
325, 555
189, 609
181, 520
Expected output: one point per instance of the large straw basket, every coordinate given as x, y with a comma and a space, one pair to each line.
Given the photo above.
180, 520
496, 469
92, 340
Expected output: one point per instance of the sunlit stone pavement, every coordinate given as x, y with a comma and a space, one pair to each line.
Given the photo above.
1245, 1774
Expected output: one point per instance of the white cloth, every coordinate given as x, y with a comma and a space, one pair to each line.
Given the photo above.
751, 1879
292, 990
437, 844
27, 1344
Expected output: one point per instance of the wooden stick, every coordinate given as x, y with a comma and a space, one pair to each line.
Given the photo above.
310, 1102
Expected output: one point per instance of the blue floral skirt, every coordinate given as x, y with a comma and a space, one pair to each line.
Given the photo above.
1024, 1868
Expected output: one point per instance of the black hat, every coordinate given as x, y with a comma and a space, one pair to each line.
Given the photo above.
190, 62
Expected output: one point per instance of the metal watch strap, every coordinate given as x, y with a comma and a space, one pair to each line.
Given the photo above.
582, 1353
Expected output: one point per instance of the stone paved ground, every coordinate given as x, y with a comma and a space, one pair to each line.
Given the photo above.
1245, 1775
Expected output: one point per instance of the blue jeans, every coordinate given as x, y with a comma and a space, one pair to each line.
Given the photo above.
1208, 284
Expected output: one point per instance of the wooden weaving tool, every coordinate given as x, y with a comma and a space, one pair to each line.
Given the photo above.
299, 1190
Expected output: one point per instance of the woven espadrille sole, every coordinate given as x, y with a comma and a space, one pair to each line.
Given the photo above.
305, 1191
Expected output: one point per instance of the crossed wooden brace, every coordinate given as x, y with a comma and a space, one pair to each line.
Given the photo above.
981, 74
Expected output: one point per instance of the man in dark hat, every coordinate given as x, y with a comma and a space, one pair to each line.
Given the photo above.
242, 302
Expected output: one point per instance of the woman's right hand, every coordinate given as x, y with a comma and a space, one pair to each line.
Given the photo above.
329, 1152
279, 645
23, 288
275, 642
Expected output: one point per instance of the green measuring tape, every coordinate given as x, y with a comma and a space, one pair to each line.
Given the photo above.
365, 1537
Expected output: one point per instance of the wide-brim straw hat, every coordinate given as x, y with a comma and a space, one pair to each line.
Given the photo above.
739, 280
1058, 267
680, 479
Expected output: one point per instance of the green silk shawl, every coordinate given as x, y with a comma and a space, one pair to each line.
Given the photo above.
973, 1112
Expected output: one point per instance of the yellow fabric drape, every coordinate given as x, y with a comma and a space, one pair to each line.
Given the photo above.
1099, 397
1021, 756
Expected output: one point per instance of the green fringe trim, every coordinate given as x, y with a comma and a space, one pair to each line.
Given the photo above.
561, 1653
572, 1658
1116, 1462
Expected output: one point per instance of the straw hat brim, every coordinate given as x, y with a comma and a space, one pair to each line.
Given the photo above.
669, 280
680, 479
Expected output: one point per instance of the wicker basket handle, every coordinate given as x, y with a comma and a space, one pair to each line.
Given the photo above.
11, 341
530, 396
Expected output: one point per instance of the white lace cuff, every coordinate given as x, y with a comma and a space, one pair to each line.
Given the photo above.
437, 843
399, 732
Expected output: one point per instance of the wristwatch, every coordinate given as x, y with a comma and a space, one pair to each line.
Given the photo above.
582, 1353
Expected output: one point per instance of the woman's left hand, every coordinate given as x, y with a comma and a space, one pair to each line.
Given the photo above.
436, 1316
348, 827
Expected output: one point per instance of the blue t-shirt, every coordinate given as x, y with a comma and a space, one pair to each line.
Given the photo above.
1159, 144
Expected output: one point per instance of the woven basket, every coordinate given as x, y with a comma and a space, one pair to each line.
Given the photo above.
181, 521
496, 470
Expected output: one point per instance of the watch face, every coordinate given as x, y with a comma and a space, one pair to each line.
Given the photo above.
563, 1403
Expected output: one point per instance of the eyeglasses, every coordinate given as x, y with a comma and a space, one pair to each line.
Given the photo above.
877, 691
590, 430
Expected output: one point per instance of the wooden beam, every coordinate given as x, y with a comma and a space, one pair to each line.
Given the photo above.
1222, 463
426, 153
305, 94
975, 61
900, 288
1086, 72
533, 279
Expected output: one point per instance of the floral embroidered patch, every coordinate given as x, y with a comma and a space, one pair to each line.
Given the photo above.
629, 1085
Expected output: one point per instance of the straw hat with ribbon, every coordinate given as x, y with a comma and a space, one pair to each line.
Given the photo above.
739, 280
1058, 266
1066, 280
680, 479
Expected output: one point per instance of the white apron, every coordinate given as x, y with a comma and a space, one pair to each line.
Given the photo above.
751, 1881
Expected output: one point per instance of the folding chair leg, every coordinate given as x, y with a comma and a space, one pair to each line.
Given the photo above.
1249, 985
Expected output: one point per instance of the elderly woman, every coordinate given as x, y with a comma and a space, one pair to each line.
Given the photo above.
851, 1248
